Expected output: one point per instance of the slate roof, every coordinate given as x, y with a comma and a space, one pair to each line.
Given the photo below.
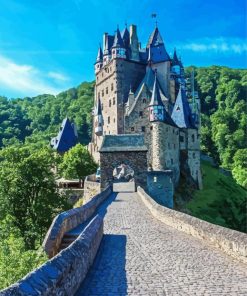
99, 55
181, 113
118, 41
67, 137
156, 99
126, 37
122, 143
98, 110
155, 38
175, 60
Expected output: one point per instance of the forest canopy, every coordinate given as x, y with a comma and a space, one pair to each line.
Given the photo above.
222, 91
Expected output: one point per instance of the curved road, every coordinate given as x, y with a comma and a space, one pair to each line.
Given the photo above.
140, 255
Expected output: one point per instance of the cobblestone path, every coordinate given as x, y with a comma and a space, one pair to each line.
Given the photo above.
140, 255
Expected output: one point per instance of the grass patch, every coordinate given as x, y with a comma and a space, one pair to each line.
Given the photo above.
222, 201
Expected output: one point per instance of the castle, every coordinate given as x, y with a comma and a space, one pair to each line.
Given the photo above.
143, 91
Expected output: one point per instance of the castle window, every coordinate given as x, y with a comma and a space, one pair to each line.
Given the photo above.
173, 130
181, 139
132, 129
155, 179
114, 119
109, 103
98, 95
117, 51
102, 93
151, 128
112, 86
193, 138
143, 129
194, 155
171, 161
102, 106
110, 69
140, 114
144, 101
106, 90
113, 101
113, 51
109, 119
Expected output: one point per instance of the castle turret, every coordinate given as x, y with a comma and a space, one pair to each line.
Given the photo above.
176, 64
134, 43
107, 43
98, 129
160, 59
99, 61
156, 106
118, 49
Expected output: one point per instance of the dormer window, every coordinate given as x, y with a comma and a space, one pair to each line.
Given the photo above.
144, 101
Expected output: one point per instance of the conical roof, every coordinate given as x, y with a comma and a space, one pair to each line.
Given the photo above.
181, 113
155, 38
156, 98
118, 41
66, 138
99, 55
175, 60
98, 110
125, 37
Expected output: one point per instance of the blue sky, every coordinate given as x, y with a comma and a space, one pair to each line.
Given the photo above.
47, 46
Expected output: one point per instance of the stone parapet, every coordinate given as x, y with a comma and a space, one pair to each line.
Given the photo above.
63, 274
70, 219
91, 188
232, 242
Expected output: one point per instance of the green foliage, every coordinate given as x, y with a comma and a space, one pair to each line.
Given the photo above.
15, 260
28, 192
221, 201
240, 167
35, 120
224, 120
77, 163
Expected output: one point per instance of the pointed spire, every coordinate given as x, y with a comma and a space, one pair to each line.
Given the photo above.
156, 98
181, 113
175, 60
98, 110
99, 55
155, 38
118, 41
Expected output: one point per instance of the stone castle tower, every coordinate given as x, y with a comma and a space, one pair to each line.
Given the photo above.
143, 91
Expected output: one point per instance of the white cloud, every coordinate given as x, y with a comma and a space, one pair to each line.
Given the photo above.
58, 76
24, 79
220, 45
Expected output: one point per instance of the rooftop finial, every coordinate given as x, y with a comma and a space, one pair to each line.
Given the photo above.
154, 15
126, 24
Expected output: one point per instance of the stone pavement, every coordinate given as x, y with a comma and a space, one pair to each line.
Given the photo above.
140, 255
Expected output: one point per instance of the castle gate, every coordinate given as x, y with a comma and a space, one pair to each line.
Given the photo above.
117, 150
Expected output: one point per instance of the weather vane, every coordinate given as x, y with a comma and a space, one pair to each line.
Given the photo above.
154, 15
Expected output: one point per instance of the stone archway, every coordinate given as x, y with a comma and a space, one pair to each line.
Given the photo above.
129, 150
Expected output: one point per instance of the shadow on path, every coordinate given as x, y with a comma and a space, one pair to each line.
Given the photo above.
107, 276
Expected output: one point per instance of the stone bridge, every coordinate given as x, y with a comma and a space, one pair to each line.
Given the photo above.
143, 249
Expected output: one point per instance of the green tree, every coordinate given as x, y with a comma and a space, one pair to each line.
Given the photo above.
28, 191
15, 260
77, 163
239, 171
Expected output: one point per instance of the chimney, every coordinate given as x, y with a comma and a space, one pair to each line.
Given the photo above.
105, 43
134, 43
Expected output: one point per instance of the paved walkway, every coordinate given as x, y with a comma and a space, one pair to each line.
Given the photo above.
140, 255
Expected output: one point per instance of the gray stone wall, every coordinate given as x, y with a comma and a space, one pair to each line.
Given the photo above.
68, 220
165, 148
137, 160
91, 188
160, 187
63, 274
232, 242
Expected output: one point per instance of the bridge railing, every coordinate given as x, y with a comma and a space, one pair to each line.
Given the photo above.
63, 274
232, 242
70, 219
